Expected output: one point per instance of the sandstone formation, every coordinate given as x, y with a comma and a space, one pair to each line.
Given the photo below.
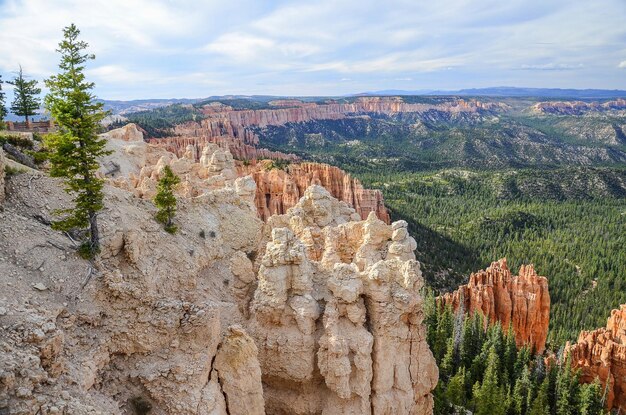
578, 107
315, 311
339, 316
521, 302
601, 354
278, 190
136, 166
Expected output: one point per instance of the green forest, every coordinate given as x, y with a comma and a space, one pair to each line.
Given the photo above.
484, 372
464, 220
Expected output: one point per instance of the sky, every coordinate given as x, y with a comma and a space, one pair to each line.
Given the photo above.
199, 48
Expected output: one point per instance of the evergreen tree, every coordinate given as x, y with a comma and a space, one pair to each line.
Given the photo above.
521, 391
455, 392
165, 200
591, 399
3, 110
75, 148
566, 390
25, 101
540, 405
489, 397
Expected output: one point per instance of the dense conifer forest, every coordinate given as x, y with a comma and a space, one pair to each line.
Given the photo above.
484, 372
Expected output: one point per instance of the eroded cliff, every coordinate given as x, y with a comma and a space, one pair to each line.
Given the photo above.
601, 354
278, 190
316, 311
521, 301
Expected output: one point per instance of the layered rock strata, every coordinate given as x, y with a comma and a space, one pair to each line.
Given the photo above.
278, 190
521, 302
601, 354
222, 122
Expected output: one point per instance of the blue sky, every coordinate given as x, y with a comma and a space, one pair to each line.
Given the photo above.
196, 48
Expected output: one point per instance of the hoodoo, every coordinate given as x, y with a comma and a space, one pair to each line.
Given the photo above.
601, 354
521, 301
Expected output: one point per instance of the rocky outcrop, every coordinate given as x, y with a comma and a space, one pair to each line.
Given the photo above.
278, 190
135, 165
338, 314
315, 311
151, 327
521, 302
578, 107
601, 354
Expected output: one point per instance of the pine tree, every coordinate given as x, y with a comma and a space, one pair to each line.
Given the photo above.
521, 390
25, 101
165, 200
540, 405
455, 392
75, 148
566, 390
489, 397
3, 110
590, 401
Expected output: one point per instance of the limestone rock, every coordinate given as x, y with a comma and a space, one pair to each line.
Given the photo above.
601, 354
315, 311
323, 265
521, 301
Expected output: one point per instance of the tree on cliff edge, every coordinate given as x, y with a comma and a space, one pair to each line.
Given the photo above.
3, 110
165, 200
25, 101
75, 148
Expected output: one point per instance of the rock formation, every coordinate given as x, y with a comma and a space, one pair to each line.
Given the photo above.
136, 166
278, 190
521, 301
578, 107
316, 311
601, 354
338, 314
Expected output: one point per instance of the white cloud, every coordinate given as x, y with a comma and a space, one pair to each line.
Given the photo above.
156, 47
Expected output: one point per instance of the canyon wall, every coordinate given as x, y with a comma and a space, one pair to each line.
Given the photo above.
224, 121
521, 301
314, 312
278, 190
136, 165
601, 354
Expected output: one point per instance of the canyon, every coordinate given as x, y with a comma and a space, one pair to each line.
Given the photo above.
220, 120
315, 311
519, 301
601, 354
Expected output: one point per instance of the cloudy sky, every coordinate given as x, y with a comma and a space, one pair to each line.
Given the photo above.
196, 48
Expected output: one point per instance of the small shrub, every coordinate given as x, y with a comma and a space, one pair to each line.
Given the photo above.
201, 234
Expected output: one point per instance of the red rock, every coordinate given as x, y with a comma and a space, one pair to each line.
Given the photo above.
279, 190
601, 354
522, 301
